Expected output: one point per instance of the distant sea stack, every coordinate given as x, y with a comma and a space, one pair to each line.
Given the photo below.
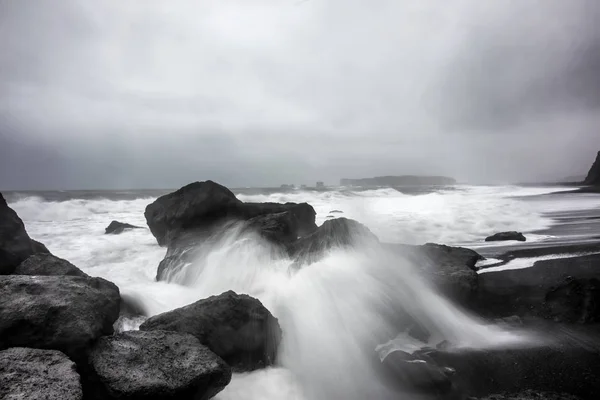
593, 177
403, 180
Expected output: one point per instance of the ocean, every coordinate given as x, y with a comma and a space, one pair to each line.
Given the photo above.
326, 309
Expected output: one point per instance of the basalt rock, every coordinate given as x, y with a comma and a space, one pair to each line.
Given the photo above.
116, 227
38, 374
47, 264
66, 313
160, 365
15, 244
204, 206
333, 234
238, 328
593, 176
501, 236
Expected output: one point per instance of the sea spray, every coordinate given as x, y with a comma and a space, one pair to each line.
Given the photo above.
336, 312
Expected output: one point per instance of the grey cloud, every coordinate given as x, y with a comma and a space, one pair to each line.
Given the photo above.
113, 94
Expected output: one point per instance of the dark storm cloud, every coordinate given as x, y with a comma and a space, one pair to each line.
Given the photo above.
113, 94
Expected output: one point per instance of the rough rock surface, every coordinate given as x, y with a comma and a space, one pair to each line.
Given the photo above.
116, 227
451, 269
334, 233
202, 206
238, 328
47, 264
65, 313
593, 176
154, 365
501, 236
15, 244
38, 374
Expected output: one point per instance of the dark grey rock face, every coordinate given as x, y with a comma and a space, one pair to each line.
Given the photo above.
116, 227
529, 395
593, 176
202, 206
38, 374
47, 264
15, 244
511, 235
238, 328
156, 365
201, 211
334, 233
66, 313
451, 269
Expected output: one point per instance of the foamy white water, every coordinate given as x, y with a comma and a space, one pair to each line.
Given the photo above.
334, 312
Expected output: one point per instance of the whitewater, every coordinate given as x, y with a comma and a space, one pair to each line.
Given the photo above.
329, 311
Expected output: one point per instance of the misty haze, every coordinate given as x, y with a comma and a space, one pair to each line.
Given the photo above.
300, 199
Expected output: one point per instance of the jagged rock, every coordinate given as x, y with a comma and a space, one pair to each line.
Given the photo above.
15, 244
205, 206
238, 328
38, 374
451, 269
512, 235
154, 365
116, 227
47, 264
66, 313
334, 233
593, 176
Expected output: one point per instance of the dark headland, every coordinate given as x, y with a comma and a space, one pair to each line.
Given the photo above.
402, 180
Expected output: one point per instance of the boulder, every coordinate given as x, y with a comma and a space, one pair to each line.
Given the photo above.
203, 207
15, 244
66, 313
154, 365
47, 264
409, 373
38, 374
334, 233
501, 236
574, 300
238, 328
593, 176
451, 269
116, 227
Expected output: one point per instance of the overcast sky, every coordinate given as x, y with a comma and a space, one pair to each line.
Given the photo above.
146, 94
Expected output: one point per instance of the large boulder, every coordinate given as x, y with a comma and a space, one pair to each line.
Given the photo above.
47, 264
334, 233
204, 207
15, 244
38, 374
154, 365
451, 269
593, 176
502, 236
237, 327
66, 313
116, 227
